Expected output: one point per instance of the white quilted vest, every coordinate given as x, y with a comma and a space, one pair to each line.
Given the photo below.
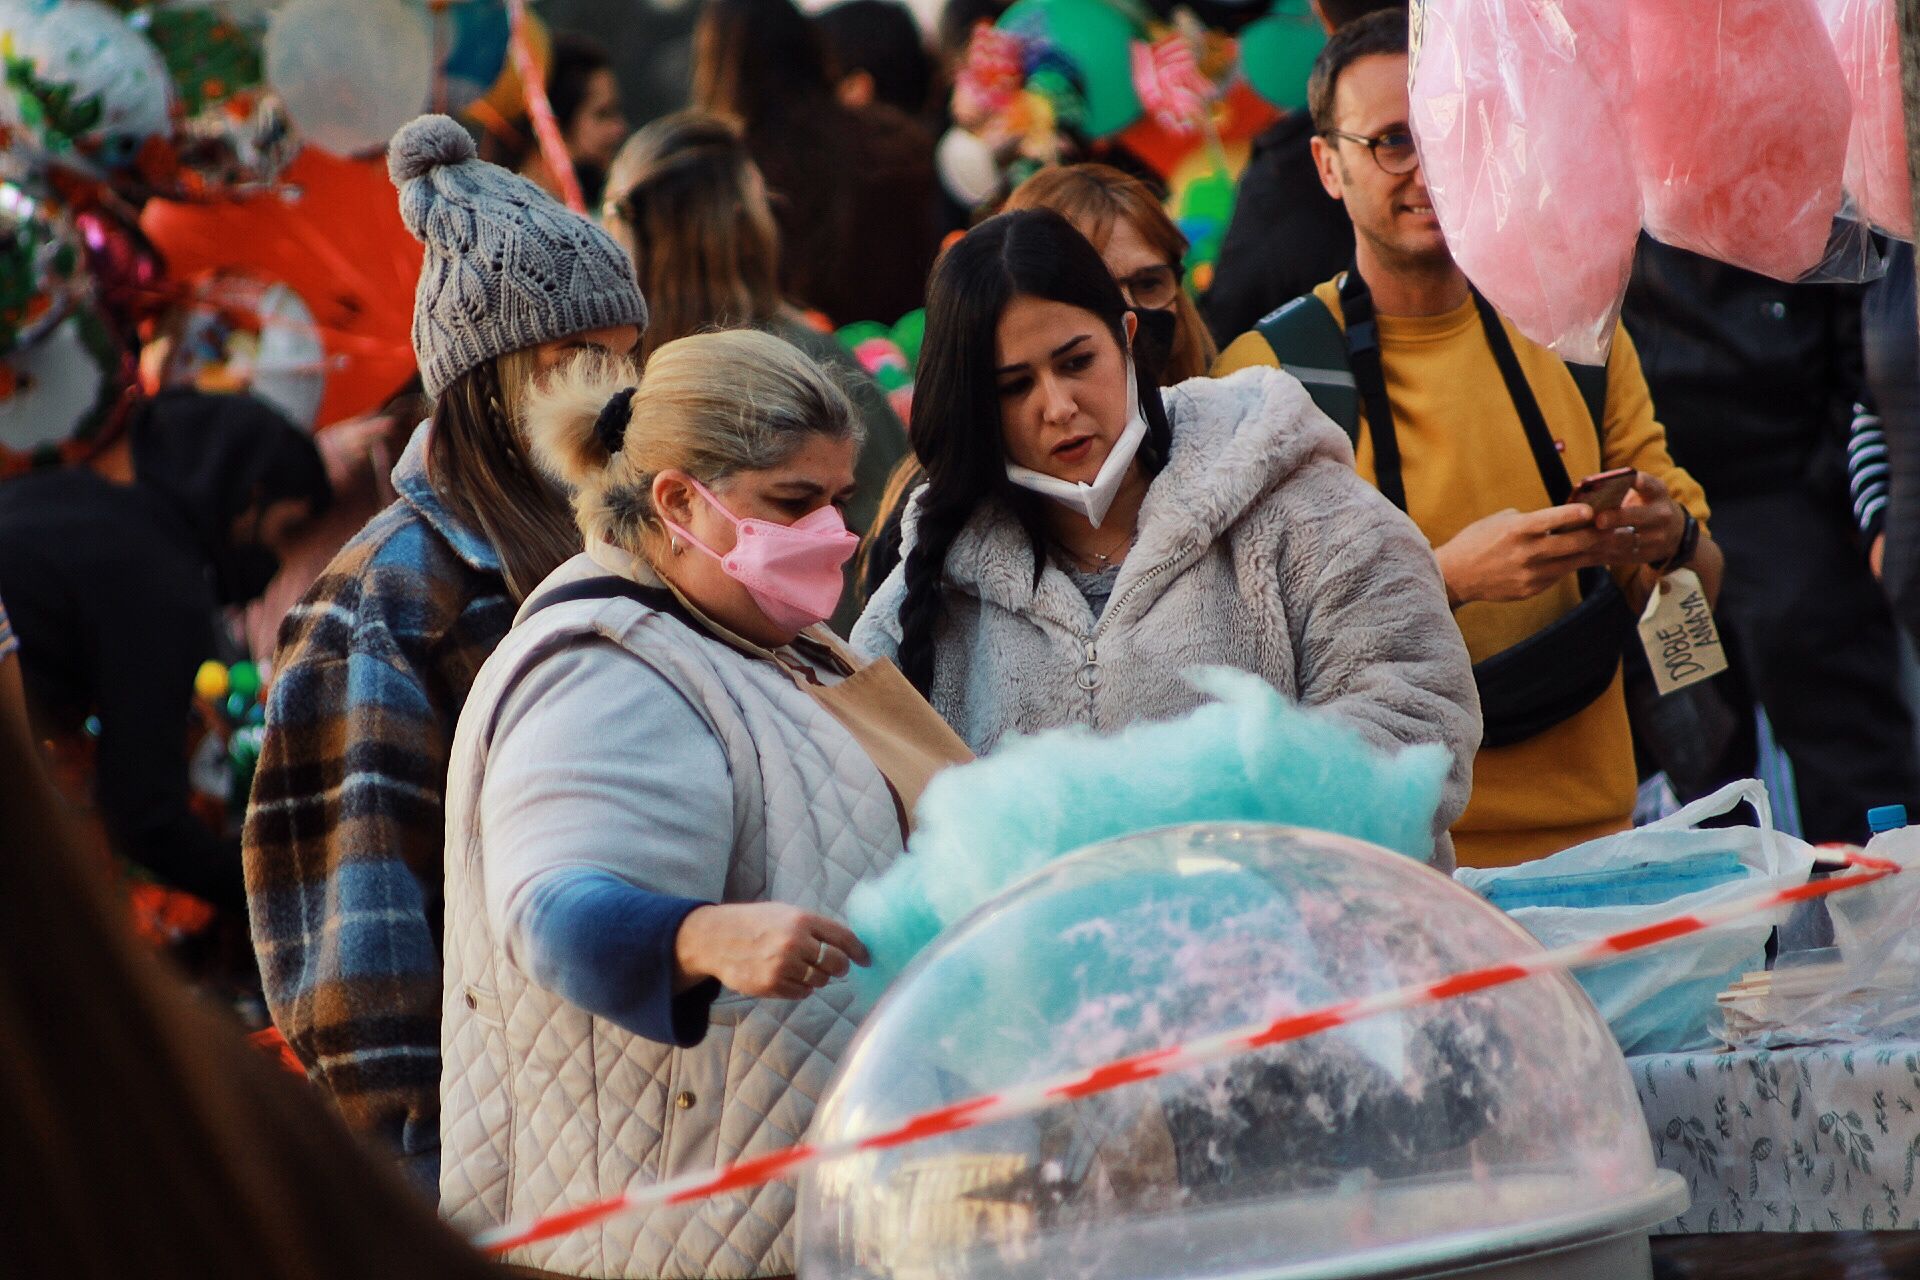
544, 1106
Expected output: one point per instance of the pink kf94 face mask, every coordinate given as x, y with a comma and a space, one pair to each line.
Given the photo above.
792, 571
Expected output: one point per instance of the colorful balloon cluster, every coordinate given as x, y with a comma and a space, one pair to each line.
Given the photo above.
889, 354
1550, 135
165, 99
1053, 75
65, 368
241, 110
232, 708
197, 99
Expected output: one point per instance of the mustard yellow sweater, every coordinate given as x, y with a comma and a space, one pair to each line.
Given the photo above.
1464, 455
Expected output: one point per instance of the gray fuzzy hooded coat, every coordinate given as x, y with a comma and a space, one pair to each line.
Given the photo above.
1258, 547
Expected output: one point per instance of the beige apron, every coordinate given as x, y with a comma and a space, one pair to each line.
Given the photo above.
904, 736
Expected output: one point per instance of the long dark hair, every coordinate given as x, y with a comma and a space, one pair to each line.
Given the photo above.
575, 60
763, 63
686, 199
478, 462
1034, 253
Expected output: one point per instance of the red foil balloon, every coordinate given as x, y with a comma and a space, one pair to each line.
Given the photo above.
334, 236
127, 270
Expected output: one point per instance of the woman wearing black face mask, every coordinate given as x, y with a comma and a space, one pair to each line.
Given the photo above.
1144, 251
116, 573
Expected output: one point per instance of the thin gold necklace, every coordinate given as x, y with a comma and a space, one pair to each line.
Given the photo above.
1104, 558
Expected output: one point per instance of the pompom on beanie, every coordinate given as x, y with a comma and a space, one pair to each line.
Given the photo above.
507, 266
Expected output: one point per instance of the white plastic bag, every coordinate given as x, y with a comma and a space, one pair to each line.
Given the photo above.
1661, 1001
1873, 993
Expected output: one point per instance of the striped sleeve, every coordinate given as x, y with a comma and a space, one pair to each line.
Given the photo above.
8, 644
1867, 472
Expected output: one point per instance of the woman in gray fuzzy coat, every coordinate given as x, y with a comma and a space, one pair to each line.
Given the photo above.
1084, 538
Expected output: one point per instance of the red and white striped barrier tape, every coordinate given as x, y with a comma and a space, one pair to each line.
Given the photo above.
1041, 1094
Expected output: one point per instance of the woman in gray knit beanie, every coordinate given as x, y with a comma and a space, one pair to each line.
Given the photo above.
344, 833
512, 284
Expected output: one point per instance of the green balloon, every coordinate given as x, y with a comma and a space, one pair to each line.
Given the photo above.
1208, 196
1096, 38
243, 678
909, 333
852, 335
1277, 53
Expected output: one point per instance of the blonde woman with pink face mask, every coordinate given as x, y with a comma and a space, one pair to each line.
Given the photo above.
664, 784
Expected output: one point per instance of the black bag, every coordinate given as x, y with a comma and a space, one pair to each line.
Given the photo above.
1556, 672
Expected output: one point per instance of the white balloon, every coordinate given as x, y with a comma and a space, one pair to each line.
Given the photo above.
292, 373
56, 385
112, 75
350, 72
244, 334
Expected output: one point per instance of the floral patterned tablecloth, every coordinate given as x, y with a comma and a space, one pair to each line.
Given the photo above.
1813, 1139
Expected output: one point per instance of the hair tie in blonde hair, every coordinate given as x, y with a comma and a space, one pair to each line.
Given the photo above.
610, 428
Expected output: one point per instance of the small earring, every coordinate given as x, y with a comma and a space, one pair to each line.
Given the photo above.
677, 548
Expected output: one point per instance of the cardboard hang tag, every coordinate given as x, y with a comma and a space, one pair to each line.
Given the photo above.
1677, 631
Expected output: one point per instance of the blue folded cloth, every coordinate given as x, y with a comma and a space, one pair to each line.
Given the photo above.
1640, 885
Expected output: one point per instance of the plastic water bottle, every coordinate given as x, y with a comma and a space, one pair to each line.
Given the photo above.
1810, 927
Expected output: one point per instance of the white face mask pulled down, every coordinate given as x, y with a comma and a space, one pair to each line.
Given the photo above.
1094, 500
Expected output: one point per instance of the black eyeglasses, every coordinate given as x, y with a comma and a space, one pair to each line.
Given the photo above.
1393, 150
1153, 287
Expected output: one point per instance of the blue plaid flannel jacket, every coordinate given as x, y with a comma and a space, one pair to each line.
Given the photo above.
344, 834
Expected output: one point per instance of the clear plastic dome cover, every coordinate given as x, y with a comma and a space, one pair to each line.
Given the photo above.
1446, 1125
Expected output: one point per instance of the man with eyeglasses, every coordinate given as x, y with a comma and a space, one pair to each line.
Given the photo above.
1480, 436
1286, 234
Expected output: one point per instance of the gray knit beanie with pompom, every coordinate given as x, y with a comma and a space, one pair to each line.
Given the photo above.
507, 266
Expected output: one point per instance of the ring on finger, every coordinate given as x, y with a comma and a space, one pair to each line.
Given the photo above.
820, 961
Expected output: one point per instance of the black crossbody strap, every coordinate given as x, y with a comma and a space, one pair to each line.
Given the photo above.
658, 599
1546, 456
661, 600
1370, 378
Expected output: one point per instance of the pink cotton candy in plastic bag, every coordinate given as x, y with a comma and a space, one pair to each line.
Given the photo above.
1516, 107
1740, 118
1868, 45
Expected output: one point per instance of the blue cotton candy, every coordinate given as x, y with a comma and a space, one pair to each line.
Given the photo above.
1250, 756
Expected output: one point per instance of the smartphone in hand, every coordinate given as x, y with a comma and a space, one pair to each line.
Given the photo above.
1605, 490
